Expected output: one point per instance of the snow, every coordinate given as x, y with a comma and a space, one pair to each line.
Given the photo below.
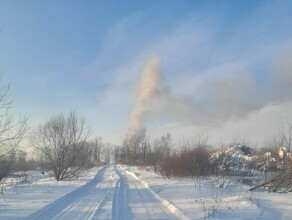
24, 197
201, 198
236, 157
124, 192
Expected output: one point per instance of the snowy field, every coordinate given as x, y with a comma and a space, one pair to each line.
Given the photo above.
216, 198
115, 192
26, 195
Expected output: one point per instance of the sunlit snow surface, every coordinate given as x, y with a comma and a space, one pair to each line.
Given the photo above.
115, 192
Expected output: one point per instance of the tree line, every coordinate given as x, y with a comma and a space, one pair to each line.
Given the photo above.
194, 158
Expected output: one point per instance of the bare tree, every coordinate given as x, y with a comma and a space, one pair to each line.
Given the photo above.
282, 182
62, 143
147, 156
107, 151
97, 149
117, 154
286, 136
162, 148
12, 131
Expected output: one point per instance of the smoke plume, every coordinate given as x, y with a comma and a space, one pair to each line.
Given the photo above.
232, 97
149, 88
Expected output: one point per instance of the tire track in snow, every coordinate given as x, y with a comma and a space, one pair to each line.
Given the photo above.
94, 205
141, 203
107, 201
120, 207
170, 206
82, 203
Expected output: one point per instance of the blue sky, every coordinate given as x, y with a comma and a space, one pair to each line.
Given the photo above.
86, 56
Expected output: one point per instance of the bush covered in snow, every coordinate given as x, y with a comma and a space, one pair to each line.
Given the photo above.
233, 160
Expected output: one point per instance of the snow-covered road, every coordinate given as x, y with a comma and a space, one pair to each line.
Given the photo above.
135, 201
112, 194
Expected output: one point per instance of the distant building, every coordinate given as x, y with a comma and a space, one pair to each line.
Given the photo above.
282, 152
268, 154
